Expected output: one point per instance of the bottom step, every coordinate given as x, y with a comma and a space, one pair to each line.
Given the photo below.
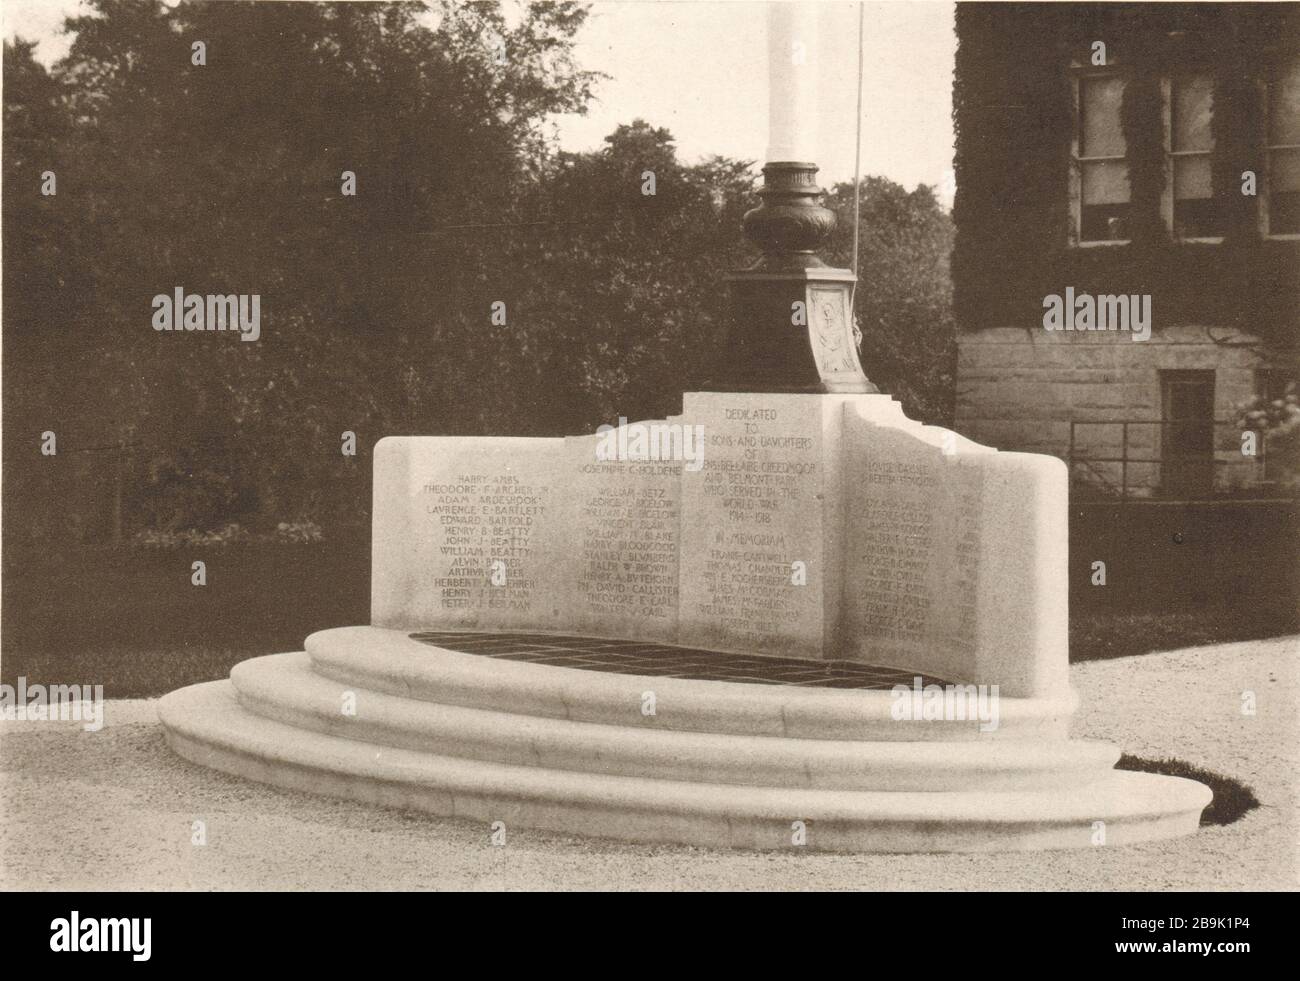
206, 725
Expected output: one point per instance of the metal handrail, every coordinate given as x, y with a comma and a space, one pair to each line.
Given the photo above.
1124, 459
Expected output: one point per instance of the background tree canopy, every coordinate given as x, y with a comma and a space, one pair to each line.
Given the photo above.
376, 308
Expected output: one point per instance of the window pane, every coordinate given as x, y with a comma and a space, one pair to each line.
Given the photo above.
1099, 129
1191, 178
1191, 114
1105, 182
1271, 383
1284, 171
1103, 223
1197, 218
1284, 192
1196, 214
1284, 214
1284, 105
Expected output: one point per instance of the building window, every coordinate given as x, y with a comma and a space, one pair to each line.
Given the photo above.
1100, 192
1190, 145
1103, 190
1282, 205
1271, 383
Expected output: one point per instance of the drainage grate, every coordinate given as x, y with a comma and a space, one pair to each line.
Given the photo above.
664, 661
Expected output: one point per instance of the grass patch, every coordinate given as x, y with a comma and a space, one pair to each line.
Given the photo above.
1232, 798
129, 619
1100, 636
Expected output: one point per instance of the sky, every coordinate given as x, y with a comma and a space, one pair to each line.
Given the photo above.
699, 69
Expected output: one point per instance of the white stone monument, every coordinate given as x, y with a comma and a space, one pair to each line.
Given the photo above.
808, 519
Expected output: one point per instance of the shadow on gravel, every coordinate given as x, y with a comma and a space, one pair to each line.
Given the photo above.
1232, 799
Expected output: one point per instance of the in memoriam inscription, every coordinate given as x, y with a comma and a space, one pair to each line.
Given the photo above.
754, 553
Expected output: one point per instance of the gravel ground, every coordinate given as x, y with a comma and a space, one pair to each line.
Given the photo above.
113, 810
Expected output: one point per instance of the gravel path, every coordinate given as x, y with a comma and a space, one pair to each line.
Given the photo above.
113, 810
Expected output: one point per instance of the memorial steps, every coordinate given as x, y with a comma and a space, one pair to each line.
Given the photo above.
285, 688
390, 661
719, 763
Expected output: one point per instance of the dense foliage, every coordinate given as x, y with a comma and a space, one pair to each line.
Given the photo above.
1277, 422
376, 308
904, 293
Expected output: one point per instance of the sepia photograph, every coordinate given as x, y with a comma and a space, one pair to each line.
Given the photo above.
650, 445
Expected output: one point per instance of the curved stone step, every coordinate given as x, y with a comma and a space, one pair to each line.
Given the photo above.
390, 661
283, 688
206, 724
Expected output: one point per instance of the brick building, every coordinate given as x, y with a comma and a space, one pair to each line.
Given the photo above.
1143, 150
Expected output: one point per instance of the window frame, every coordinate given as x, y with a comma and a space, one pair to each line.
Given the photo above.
1078, 74
1167, 200
1265, 178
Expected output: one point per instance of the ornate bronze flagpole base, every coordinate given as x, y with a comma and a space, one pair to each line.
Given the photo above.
792, 327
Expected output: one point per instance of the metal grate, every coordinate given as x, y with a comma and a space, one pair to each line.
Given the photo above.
665, 661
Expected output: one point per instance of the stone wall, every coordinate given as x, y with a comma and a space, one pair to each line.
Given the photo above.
819, 526
1019, 389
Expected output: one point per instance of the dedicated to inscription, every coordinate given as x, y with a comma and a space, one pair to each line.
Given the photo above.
758, 492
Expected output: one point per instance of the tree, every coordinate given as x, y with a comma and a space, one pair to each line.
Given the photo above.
621, 300
377, 307
226, 177
903, 299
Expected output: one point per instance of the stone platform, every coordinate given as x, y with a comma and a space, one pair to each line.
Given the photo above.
690, 630
718, 763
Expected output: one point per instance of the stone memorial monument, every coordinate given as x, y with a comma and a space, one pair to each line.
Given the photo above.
789, 616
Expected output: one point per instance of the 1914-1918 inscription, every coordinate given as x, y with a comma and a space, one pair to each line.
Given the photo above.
752, 548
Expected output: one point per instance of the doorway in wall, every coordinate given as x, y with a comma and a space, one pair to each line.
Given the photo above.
1187, 450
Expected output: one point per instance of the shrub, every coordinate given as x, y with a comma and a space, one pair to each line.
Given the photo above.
1278, 423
